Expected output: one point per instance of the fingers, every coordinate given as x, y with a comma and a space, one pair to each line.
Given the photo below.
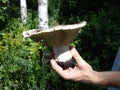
80, 62
56, 67
77, 57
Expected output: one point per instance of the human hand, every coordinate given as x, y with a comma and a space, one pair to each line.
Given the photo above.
81, 72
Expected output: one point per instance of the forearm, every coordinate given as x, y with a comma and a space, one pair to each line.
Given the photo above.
107, 79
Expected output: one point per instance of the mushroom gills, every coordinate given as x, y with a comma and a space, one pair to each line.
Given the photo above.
64, 57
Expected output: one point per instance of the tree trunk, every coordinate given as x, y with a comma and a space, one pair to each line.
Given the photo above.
23, 6
43, 14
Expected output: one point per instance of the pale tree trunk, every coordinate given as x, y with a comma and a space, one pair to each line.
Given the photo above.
23, 7
43, 19
43, 14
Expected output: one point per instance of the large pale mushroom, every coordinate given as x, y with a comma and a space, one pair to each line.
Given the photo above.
59, 38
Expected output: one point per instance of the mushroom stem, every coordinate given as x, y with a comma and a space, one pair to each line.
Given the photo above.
62, 54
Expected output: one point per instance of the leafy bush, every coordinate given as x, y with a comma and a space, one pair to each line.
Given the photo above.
24, 64
20, 64
99, 41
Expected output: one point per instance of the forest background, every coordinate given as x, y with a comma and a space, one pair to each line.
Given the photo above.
24, 64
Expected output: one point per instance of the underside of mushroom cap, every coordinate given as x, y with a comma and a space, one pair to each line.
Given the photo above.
57, 36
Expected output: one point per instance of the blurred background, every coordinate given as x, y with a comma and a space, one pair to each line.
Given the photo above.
24, 64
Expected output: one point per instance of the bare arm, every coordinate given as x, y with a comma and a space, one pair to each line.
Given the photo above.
107, 78
83, 72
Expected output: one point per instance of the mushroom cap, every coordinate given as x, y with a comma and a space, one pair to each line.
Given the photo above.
57, 36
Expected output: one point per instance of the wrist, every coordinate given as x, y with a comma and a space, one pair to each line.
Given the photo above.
95, 79
91, 78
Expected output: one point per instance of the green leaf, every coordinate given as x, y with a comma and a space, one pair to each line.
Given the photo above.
2, 18
1, 67
4, 1
1, 76
13, 68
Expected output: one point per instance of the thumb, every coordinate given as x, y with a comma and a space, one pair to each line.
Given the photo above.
80, 61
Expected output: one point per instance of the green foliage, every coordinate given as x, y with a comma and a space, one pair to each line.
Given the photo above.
3, 1
99, 41
20, 63
24, 64
7, 13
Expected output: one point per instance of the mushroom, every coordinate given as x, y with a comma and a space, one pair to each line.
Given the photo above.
59, 37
